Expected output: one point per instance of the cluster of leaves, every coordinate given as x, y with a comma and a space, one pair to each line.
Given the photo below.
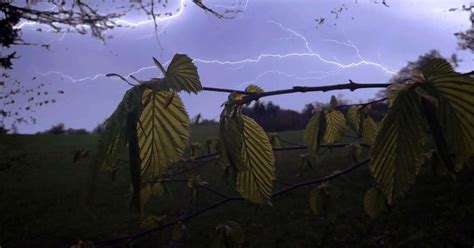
246, 152
152, 121
435, 102
438, 103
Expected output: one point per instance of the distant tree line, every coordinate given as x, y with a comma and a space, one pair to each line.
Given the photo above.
273, 118
270, 116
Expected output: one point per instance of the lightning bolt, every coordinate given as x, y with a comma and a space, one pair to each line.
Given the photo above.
309, 53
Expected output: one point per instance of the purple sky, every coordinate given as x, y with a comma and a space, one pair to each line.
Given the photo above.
274, 44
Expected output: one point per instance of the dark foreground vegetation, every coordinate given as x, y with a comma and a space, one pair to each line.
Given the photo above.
42, 201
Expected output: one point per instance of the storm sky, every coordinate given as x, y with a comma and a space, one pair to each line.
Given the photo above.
274, 44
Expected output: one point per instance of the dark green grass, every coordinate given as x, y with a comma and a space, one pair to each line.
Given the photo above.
42, 203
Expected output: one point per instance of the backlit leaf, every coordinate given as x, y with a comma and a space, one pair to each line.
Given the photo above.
274, 140
397, 152
163, 133
231, 138
256, 183
455, 93
314, 133
182, 75
368, 130
353, 119
335, 126
355, 151
114, 138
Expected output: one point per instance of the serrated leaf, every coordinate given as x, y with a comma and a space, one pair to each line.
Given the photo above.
353, 119
182, 75
374, 203
314, 133
455, 93
252, 88
368, 130
113, 140
435, 66
162, 133
335, 126
228, 235
256, 183
231, 131
397, 152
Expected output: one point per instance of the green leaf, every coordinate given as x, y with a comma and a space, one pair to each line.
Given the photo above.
374, 203
274, 140
320, 202
368, 130
253, 89
228, 235
355, 150
113, 140
353, 119
455, 93
231, 138
314, 133
163, 133
335, 126
434, 67
256, 183
397, 152
182, 75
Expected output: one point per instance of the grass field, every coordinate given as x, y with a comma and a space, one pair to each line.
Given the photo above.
42, 203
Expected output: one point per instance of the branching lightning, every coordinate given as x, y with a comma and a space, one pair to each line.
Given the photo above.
308, 53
